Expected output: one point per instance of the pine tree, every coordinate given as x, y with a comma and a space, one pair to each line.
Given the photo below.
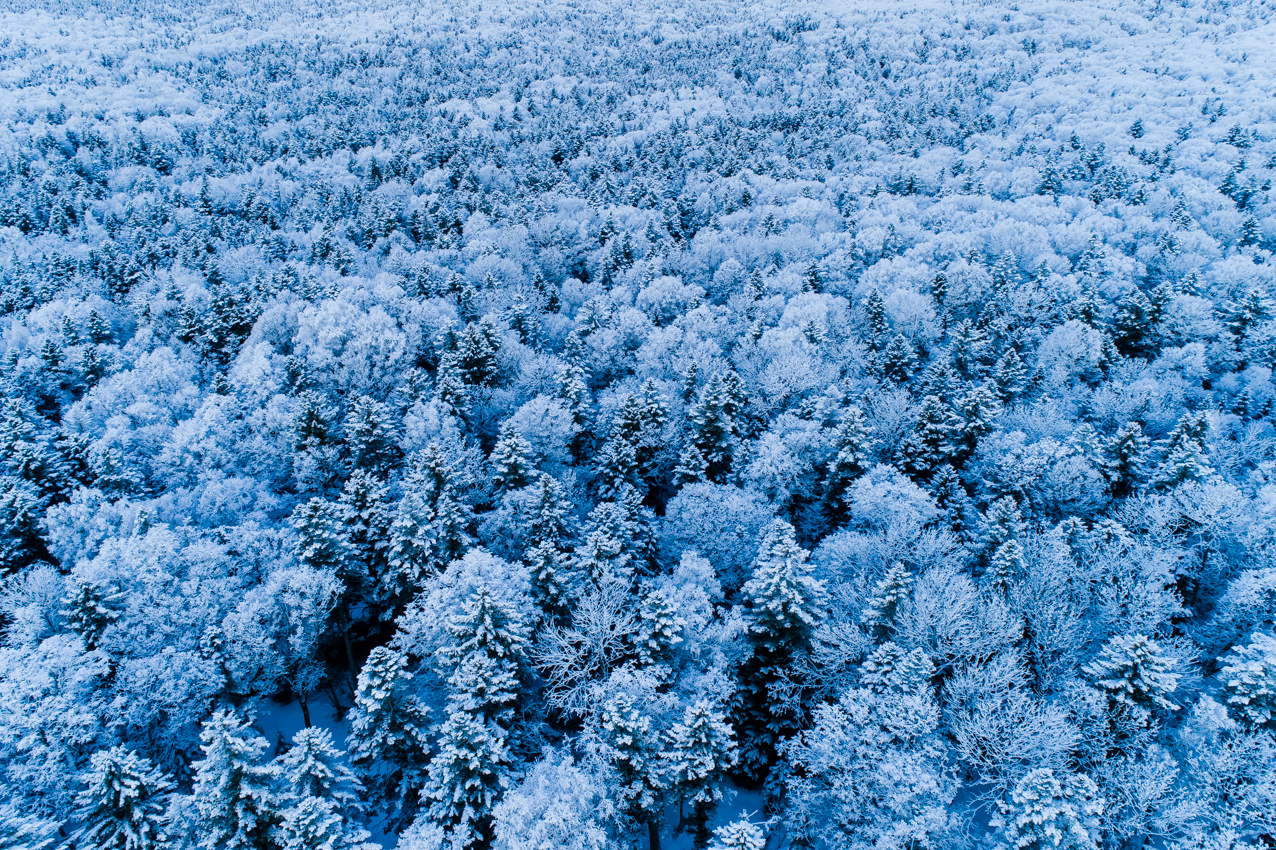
1183, 453
1005, 270
313, 767
1003, 521
233, 795
1251, 233
1249, 678
321, 795
631, 747
1088, 309
373, 435
470, 772
315, 823
97, 328
1051, 183
713, 425
690, 383
1135, 673
511, 461
635, 444
951, 498
1132, 324
485, 627
477, 348
979, 412
898, 360
883, 607
1249, 312
872, 771
783, 600
639, 525
740, 834
1049, 812
875, 321
467, 777
430, 526
523, 320
853, 445
389, 734
617, 466
811, 281
1010, 376
550, 515
368, 515
617, 542
1161, 297
316, 452
660, 630
1006, 565
783, 603
124, 803
692, 468
932, 442
572, 389
940, 379
939, 292
699, 751
651, 417
892, 670
552, 580
89, 610
449, 385
1126, 455
322, 543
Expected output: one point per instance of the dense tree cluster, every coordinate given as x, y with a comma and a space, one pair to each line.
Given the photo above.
594, 418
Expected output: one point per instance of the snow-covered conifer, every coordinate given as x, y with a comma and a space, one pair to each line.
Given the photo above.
511, 461
1135, 673
320, 796
1047, 811
234, 797
884, 605
632, 746
699, 750
124, 803
1249, 678
1183, 453
661, 628
389, 733
742, 834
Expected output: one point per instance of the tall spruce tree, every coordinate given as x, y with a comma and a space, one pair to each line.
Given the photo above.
470, 772
1183, 453
430, 527
124, 803
783, 605
632, 746
234, 797
511, 461
389, 736
699, 750
320, 797
883, 606
713, 424
854, 445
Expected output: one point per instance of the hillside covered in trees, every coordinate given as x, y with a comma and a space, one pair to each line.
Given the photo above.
746, 425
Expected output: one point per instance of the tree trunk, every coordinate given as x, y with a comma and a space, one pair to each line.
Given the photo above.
305, 709
653, 833
351, 671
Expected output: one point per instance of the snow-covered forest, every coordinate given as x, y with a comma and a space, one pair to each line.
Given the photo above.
584, 425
